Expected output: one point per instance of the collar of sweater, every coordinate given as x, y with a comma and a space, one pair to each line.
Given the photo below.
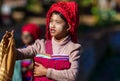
61, 43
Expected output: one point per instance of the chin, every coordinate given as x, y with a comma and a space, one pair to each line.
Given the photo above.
53, 35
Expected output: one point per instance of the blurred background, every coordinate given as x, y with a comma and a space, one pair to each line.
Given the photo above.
98, 32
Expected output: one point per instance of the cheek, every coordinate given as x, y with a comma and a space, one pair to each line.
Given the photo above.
59, 28
50, 25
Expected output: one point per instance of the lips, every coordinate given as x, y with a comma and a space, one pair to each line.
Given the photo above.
52, 30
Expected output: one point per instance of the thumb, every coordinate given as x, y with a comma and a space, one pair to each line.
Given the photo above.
37, 63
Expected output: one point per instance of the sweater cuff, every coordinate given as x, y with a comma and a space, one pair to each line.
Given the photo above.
49, 71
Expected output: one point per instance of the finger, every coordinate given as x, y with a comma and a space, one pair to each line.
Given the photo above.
35, 67
35, 75
34, 72
12, 32
6, 32
37, 63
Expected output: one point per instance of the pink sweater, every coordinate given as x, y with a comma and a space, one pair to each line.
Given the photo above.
64, 47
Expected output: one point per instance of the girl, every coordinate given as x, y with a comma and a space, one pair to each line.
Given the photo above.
62, 21
30, 33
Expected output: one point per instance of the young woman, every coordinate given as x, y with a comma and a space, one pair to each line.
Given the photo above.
62, 21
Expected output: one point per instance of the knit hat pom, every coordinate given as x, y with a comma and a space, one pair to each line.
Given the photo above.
33, 29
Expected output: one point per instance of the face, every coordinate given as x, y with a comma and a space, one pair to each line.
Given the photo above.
58, 27
27, 38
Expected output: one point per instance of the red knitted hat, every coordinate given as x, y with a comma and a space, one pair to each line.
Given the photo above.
33, 29
70, 11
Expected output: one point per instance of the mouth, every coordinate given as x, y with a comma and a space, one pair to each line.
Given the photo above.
52, 30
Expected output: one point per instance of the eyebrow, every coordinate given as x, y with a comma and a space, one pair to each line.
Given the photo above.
56, 19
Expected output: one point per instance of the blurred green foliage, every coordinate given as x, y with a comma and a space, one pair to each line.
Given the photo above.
34, 6
104, 17
85, 3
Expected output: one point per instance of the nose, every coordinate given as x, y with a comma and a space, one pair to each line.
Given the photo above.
52, 25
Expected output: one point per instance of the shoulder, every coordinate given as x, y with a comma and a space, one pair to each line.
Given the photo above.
75, 49
74, 46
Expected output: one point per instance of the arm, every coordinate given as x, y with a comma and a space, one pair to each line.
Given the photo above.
30, 51
67, 74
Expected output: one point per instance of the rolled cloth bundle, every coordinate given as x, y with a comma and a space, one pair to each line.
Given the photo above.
7, 57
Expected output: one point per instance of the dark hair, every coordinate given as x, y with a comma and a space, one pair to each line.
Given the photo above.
58, 13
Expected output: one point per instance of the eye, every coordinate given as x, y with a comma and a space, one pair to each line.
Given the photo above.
58, 22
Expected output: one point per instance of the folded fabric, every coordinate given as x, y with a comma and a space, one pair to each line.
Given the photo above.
7, 57
50, 63
57, 62
54, 56
43, 56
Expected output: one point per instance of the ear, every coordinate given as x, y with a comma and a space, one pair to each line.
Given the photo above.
69, 27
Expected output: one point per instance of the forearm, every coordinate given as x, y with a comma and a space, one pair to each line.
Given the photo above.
63, 75
25, 53
30, 51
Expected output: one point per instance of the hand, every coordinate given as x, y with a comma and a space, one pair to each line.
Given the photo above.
8, 34
39, 70
6, 37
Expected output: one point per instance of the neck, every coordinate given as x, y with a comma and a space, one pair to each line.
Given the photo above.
59, 39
